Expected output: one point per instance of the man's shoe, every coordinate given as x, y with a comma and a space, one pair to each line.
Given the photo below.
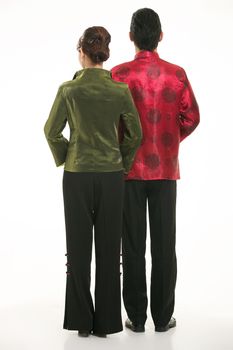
100, 335
137, 328
83, 334
171, 324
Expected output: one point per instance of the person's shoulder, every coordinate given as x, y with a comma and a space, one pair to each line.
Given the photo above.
116, 75
122, 68
120, 85
69, 85
66, 85
174, 69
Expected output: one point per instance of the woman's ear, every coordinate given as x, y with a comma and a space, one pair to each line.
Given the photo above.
81, 57
82, 54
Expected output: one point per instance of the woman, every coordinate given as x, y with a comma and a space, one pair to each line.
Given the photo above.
93, 105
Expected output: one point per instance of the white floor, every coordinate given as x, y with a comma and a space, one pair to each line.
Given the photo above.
32, 306
39, 327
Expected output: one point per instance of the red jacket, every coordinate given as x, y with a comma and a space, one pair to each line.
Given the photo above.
168, 112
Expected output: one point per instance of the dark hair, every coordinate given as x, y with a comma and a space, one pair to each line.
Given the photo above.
94, 43
146, 29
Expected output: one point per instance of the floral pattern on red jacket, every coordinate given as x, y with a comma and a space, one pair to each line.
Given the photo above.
168, 112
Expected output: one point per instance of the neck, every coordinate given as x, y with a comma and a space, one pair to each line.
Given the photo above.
93, 65
138, 50
87, 63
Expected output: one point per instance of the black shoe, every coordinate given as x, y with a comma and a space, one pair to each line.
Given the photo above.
171, 324
137, 328
83, 334
100, 335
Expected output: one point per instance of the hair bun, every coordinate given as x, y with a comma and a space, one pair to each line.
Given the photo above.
94, 43
99, 56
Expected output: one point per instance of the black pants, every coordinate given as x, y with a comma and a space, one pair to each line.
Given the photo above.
161, 197
93, 200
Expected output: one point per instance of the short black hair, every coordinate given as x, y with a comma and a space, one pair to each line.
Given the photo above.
146, 29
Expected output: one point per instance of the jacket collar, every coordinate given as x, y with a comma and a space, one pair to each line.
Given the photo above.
92, 72
148, 55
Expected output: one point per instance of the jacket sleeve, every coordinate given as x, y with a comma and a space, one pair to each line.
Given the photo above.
189, 111
54, 126
132, 132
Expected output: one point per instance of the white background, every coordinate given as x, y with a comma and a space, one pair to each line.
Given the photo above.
38, 52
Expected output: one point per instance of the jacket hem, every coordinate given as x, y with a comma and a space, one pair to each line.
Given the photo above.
92, 170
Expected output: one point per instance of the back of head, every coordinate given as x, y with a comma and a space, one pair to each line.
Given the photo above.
145, 29
94, 43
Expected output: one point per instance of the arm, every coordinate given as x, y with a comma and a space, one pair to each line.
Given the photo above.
132, 132
189, 111
53, 129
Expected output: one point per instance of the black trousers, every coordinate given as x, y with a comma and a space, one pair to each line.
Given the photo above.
93, 200
161, 198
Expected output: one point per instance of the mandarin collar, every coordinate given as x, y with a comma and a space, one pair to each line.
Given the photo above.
93, 72
146, 55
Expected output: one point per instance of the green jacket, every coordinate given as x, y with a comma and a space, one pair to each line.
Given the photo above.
93, 105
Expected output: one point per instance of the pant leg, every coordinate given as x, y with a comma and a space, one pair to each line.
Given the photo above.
133, 250
108, 208
78, 205
162, 216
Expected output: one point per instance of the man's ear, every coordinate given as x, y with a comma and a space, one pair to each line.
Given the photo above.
161, 36
131, 36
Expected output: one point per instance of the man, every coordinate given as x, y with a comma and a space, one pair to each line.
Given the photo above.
169, 113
